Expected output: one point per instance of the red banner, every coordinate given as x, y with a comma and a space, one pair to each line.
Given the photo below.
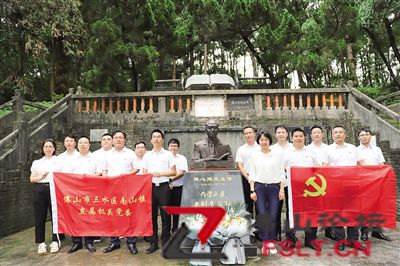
103, 206
343, 196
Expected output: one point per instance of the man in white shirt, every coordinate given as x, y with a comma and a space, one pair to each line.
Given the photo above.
177, 181
106, 146
320, 148
282, 144
299, 155
84, 163
140, 151
341, 153
64, 160
121, 160
160, 163
321, 151
369, 155
243, 158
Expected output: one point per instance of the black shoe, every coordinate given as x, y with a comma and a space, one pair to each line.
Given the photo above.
331, 235
90, 247
312, 246
153, 247
74, 248
342, 246
381, 236
364, 236
147, 239
132, 248
111, 248
279, 237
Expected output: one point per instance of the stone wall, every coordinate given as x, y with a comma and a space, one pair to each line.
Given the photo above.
16, 191
16, 204
190, 129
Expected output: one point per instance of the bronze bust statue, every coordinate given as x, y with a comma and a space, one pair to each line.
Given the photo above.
211, 152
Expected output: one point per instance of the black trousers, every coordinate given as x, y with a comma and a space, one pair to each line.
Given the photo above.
117, 241
41, 203
176, 197
290, 234
161, 197
365, 230
246, 192
279, 217
352, 233
78, 239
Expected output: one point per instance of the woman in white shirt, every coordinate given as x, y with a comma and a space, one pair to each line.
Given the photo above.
267, 182
41, 176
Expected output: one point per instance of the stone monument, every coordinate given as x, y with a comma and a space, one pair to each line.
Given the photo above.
211, 152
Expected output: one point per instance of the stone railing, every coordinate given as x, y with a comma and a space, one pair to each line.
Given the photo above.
259, 101
15, 146
376, 116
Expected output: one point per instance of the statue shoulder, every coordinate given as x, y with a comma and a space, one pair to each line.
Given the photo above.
201, 142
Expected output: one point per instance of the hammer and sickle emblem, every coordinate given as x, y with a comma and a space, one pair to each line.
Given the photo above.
319, 190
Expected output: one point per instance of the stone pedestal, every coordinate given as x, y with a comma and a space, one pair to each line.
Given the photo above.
214, 187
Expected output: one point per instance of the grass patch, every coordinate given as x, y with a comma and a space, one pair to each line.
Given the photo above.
5, 111
390, 120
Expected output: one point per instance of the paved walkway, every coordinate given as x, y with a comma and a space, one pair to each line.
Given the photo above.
20, 249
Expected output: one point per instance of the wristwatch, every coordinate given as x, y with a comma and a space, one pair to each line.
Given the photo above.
169, 180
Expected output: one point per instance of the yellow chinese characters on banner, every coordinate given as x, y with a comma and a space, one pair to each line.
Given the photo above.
120, 209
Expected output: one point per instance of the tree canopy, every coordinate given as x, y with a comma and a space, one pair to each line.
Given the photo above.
124, 45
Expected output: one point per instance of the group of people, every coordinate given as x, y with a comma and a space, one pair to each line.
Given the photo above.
112, 159
264, 167
262, 164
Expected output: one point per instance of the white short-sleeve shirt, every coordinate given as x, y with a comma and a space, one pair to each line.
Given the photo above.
45, 165
87, 164
100, 156
140, 164
266, 168
370, 155
65, 161
344, 155
244, 153
120, 162
181, 165
279, 148
161, 161
299, 157
321, 152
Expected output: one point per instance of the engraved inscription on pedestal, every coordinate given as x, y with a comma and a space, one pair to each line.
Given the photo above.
212, 188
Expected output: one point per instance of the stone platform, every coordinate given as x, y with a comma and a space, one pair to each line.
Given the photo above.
20, 249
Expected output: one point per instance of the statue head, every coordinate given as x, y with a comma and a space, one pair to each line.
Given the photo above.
212, 129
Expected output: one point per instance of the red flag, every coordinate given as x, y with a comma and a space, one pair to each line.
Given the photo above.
345, 196
88, 205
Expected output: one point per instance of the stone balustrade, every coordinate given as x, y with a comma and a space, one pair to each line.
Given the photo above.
259, 101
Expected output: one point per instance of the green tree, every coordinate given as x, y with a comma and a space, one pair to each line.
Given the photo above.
46, 38
120, 50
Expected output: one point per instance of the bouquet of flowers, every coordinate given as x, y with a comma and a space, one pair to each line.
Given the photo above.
235, 225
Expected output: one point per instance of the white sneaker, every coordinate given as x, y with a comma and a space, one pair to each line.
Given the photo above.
54, 247
272, 248
42, 248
